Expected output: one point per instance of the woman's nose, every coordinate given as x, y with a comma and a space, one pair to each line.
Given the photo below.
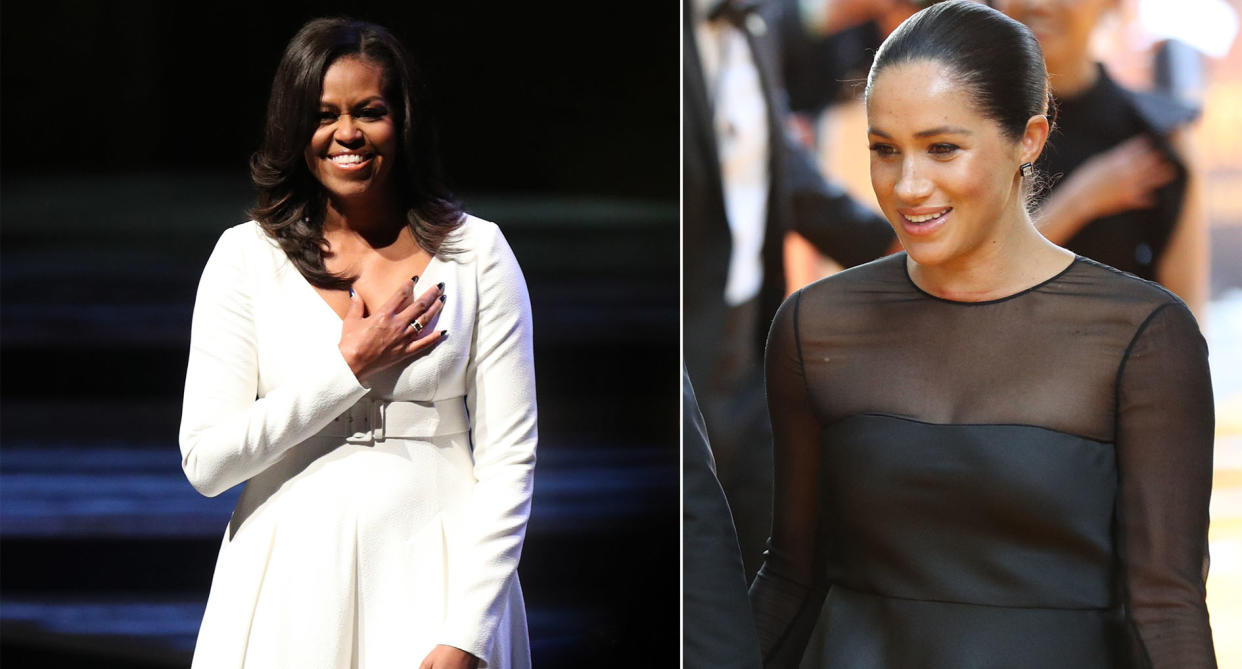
347, 131
912, 187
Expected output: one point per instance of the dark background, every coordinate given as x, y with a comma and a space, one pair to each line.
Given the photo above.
125, 129
551, 97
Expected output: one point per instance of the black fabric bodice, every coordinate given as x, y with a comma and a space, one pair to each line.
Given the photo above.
1022, 482
1094, 121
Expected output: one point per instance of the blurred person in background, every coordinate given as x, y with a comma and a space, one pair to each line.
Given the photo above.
1123, 179
826, 48
746, 184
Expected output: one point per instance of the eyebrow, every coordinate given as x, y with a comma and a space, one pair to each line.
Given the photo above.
941, 130
360, 103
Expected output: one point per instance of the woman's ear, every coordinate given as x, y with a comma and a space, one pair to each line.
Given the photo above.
1034, 138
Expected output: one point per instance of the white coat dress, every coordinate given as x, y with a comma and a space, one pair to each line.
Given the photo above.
376, 522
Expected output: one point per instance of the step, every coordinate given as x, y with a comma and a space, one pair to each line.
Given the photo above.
103, 491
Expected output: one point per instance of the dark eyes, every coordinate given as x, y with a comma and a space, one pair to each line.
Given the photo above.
938, 149
371, 113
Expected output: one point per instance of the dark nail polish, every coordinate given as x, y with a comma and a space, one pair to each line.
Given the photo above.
415, 279
440, 286
443, 334
441, 299
351, 292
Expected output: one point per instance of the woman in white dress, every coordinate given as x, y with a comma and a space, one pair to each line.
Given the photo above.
384, 426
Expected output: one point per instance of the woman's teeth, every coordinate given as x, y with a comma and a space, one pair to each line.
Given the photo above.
926, 217
347, 158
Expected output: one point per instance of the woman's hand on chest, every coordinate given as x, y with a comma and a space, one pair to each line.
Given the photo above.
402, 327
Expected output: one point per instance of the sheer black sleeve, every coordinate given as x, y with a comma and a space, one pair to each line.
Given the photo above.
787, 594
1164, 457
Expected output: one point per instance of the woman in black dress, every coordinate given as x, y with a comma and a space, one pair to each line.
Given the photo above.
989, 452
1124, 188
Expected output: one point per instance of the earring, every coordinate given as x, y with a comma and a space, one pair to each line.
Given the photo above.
1027, 170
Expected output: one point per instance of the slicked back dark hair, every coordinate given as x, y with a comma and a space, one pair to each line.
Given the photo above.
996, 58
291, 202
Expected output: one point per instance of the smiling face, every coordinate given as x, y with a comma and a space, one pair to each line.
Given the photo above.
944, 175
353, 151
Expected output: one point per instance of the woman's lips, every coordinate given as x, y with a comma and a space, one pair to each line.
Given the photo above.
349, 161
923, 221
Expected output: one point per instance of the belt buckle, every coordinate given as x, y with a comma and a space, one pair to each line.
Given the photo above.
359, 422
366, 421
377, 415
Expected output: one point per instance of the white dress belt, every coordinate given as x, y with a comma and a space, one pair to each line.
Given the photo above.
376, 420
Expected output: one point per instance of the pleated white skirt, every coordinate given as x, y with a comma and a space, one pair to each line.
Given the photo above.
339, 556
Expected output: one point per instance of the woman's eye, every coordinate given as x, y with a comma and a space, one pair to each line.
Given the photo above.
325, 117
942, 148
372, 113
883, 149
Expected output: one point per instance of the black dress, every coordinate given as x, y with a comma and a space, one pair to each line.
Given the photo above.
1099, 119
1016, 483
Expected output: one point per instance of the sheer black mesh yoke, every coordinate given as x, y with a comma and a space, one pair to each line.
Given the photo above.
1022, 482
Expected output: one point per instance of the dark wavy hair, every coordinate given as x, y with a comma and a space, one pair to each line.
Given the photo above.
291, 203
996, 58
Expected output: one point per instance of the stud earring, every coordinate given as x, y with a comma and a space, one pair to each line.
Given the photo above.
1027, 170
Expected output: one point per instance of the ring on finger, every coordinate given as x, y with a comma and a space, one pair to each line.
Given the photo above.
418, 327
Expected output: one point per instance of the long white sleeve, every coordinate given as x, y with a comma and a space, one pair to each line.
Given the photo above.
227, 434
500, 398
